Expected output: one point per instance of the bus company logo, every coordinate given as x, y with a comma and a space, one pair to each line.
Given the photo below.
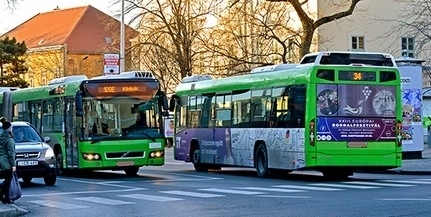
406, 80
323, 137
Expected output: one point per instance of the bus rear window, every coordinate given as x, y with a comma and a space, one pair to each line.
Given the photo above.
356, 58
387, 76
326, 74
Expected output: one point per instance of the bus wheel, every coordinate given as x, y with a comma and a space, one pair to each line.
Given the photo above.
131, 171
196, 159
59, 163
261, 161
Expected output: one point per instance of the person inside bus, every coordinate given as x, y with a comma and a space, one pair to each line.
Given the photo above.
97, 125
140, 122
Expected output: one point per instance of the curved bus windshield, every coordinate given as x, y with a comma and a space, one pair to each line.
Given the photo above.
120, 117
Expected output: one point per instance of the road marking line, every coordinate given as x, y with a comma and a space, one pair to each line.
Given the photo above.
407, 181
378, 184
56, 204
271, 189
83, 192
150, 197
284, 196
102, 200
231, 191
405, 199
308, 188
343, 186
192, 194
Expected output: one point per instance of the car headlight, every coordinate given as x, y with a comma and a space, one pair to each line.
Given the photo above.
49, 153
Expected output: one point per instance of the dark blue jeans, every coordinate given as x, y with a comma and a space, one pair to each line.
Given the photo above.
7, 174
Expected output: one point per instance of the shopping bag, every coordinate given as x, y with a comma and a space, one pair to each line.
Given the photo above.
15, 191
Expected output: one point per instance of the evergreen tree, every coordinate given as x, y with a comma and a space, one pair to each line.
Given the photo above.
12, 63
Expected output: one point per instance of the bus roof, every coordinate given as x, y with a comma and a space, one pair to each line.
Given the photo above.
349, 58
70, 84
280, 77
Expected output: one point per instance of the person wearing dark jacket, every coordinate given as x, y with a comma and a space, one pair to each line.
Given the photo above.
7, 160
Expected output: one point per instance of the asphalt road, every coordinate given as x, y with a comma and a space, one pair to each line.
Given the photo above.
176, 190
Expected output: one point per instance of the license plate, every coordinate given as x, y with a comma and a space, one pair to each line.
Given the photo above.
28, 163
125, 163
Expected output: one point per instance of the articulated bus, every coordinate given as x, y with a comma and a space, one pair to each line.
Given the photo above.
104, 123
334, 112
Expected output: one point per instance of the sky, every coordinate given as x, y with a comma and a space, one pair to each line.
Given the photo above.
25, 9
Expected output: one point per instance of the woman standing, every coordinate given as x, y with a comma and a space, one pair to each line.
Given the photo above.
7, 160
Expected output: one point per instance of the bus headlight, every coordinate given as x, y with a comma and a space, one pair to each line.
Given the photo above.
91, 156
49, 153
155, 154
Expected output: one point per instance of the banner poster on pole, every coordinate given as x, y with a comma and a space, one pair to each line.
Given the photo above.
111, 64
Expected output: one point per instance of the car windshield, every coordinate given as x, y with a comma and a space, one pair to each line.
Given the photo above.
23, 134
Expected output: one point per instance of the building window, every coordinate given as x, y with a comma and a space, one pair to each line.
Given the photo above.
407, 46
358, 43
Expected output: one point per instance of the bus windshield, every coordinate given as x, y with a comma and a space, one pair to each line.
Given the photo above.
120, 117
121, 109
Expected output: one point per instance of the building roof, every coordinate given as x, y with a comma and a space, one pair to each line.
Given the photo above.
83, 29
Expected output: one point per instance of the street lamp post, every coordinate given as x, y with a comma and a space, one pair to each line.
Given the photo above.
122, 38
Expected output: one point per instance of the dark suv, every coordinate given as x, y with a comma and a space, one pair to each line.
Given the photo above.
34, 157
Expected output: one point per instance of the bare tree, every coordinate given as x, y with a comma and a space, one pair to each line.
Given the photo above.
249, 35
169, 32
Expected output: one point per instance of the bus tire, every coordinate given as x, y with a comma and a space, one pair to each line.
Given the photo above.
261, 161
59, 161
196, 159
131, 171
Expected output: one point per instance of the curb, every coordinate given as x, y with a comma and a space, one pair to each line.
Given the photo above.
398, 172
12, 210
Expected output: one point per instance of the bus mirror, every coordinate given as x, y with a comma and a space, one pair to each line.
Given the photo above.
172, 104
165, 113
78, 104
165, 103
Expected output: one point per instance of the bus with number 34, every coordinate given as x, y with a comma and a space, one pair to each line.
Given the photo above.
111, 122
333, 112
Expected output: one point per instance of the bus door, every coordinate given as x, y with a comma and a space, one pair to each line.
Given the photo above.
71, 134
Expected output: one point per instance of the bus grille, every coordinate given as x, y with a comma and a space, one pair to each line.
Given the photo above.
27, 155
128, 154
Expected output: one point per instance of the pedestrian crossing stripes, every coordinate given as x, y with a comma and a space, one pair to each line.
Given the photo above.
308, 188
275, 191
270, 189
231, 191
151, 197
102, 200
56, 204
192, 194
378, 184
344, 186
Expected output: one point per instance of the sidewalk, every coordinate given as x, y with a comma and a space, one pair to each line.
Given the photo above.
415, 166
11, 210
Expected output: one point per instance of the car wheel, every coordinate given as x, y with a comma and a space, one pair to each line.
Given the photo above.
26, 179
50, 179
131, 171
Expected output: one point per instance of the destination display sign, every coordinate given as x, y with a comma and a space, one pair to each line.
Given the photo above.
143, 90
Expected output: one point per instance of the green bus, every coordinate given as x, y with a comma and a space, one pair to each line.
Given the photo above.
334, 112
111, 122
